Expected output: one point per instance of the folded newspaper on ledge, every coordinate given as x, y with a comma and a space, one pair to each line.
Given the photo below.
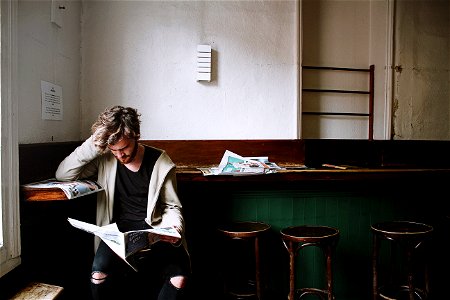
72, 189
125, 244
236, 165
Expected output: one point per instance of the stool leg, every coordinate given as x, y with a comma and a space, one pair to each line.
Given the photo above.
427, 279
394, 256
411, 289
291, 270
426, 270
329, 273
375, 250
257, 269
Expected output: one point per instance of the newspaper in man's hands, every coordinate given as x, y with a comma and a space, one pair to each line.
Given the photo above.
124, 244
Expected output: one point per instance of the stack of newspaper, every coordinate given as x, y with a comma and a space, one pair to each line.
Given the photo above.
233, 164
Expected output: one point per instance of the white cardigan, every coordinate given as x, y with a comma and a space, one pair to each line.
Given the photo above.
86, 161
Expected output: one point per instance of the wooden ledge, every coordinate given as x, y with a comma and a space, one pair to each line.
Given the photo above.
187, 174
386, 161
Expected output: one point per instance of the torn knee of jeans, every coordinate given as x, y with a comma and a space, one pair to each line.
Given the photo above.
178, 282
98, 277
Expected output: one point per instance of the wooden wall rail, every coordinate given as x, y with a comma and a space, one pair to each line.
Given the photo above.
372, 159
39, 161
195, 153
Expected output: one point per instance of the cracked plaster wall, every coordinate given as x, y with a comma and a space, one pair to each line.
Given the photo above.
421, 105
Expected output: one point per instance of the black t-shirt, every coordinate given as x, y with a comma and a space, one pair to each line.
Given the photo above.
131, 193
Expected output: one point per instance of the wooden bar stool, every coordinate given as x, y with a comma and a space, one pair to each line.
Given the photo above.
296, 238
409, 236
250, 232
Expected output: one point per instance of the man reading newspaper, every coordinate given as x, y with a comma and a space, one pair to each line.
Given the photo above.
140, 193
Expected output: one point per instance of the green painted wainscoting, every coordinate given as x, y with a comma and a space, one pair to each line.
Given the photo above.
349, 206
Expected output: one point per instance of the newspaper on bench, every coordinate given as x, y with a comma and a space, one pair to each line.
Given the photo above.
72, 189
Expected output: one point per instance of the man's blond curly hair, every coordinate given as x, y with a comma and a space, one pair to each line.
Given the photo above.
114, 124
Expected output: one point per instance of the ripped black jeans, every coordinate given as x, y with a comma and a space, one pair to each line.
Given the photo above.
156, 267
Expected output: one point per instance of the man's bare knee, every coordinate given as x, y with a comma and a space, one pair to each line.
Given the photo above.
178, 281
98, 277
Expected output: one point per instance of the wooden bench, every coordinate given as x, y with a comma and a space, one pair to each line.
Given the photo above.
38, 291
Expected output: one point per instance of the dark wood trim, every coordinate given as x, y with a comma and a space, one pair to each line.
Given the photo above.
368, 160
186, 175
39, 161
196, 153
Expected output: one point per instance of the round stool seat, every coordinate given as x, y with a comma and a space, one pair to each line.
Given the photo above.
398, 230
243, 229
310, 234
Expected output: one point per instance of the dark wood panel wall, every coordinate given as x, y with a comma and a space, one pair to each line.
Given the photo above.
39, 161
209, 152
66, 260
409, 154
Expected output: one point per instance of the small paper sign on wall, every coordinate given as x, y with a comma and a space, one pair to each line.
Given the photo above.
51, 101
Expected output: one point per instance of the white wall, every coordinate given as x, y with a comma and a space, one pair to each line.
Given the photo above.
49, 53
422, 93
143, 54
